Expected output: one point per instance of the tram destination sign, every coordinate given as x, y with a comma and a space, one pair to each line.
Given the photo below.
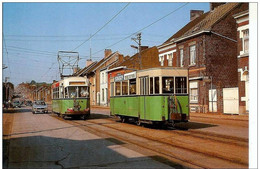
119, 78
131, 75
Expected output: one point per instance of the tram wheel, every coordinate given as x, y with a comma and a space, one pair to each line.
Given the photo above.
138, 122
123, 119
62, 116
83, 117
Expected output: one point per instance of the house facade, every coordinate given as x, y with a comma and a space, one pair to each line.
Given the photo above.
126, 69
207, 46
242, 20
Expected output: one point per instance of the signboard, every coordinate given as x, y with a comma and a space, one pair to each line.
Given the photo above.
131, 75
77, 83
119, 78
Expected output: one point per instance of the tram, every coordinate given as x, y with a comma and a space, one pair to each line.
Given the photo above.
70, 97
153, 96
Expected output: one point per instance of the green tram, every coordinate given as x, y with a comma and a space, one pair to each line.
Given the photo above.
153, 96
70, 97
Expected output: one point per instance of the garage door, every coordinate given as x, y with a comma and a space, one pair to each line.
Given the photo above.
230, 100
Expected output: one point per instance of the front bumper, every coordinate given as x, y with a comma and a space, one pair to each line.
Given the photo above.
40, 110
77, 113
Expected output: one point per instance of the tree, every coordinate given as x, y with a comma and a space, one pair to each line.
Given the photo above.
33, 82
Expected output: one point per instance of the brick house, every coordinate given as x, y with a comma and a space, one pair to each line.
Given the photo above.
147, 60
242, 20
207, 46
95, 73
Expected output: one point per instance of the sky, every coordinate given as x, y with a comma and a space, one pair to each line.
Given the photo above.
33, 33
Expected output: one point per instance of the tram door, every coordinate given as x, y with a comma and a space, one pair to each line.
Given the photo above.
144, 91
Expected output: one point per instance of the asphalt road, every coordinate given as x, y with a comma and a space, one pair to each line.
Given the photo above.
48, 141
41, 141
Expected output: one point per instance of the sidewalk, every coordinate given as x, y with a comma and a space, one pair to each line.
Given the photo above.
199, 115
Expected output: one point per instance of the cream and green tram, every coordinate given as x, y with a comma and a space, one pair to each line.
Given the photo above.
70, 97
156, 95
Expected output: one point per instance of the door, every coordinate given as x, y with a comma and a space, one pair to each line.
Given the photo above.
230, 101
144, 90
213, 100
247, 98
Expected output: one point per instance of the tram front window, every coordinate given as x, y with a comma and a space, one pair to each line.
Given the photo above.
83, 91
167, 84
72, 92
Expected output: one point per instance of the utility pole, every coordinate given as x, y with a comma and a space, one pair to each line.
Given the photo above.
90, 49
138, 41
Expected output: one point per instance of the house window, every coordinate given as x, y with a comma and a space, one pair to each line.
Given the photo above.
102, 77
194, 92
161, 59
246, 40
192, 54
170, 59
181, 57
103, 95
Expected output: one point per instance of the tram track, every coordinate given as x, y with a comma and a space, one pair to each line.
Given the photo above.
164, 146
169, 141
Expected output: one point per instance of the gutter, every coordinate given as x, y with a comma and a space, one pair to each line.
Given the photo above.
192, 35
204, 31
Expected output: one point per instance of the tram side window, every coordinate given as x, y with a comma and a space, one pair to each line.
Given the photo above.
61, 92
167, 85
151, 85
112, 89
66, 92
125, 88
83, 91
56, 93
157, 84
118, 88
180, 85
132, 86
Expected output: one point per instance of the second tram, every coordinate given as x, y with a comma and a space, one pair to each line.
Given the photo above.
154, 96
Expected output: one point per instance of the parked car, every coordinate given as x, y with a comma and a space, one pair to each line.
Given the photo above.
28, 103
39, 107
16, 103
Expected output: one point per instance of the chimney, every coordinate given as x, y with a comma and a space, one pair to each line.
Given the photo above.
144, 47
107, 52
213, 5
195, 13
88, 62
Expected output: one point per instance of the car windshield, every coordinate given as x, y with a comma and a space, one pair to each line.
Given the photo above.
39, 103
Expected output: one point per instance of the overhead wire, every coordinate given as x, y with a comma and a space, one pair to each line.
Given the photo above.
102, 27
7, 54
143, 28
